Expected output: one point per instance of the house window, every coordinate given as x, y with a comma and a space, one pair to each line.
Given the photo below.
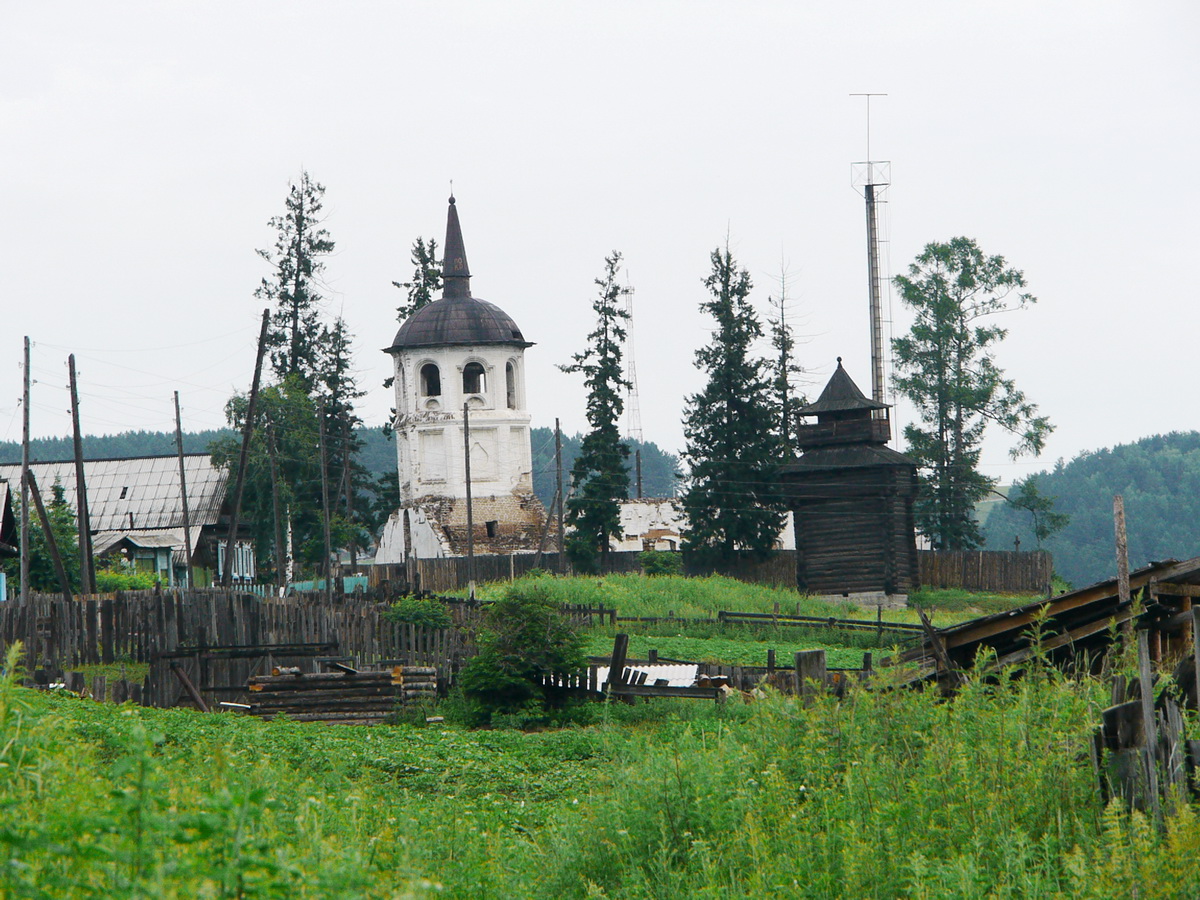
510, 384
431, 381
491, 527
474, 379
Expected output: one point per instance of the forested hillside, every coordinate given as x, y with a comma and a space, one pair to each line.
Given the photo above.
1159, 478
113, 446
378, 454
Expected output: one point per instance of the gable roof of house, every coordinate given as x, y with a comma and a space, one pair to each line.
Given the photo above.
140, 493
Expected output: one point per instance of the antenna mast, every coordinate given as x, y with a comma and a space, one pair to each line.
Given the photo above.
873, 178
633, 411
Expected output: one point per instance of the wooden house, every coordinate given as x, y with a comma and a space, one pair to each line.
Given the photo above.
136, 513
852, 498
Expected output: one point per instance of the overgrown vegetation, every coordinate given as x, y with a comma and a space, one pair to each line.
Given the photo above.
885, 794
523, 640
426, 613
661, 562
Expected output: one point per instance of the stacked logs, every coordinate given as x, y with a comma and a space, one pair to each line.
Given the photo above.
348, 697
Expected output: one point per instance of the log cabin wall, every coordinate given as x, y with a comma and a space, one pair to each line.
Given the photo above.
854, 530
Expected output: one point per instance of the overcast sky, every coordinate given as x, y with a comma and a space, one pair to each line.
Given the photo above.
145, 146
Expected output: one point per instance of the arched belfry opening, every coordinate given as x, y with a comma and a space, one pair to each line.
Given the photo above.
474, 379
431, 380
448, 356
510, 385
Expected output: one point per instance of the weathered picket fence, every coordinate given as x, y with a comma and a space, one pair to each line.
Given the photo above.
217, 640
1003, 571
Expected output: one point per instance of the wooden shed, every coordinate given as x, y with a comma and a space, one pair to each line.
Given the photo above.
852, 497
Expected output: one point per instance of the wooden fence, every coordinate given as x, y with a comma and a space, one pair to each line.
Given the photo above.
1003, 571
218, 639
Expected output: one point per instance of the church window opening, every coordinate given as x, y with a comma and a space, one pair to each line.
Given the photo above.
510, 379
431, 381
474, 379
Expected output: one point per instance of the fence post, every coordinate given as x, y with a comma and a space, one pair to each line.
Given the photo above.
616, 665
810, 672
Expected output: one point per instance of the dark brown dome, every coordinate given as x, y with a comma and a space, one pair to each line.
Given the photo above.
458, 320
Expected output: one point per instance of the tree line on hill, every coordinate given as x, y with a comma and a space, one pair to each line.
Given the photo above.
376, 454
1159, 478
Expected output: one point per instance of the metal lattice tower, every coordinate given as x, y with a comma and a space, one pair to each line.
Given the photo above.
872, 178
633, 411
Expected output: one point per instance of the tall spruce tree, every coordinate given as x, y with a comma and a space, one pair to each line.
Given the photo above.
339, 391
731, 429
946, 367
311, 370
301, 243
599, 474
426, 278
784, 368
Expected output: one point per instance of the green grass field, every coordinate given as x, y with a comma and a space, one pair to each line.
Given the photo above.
664, 595
888, 793
885, 794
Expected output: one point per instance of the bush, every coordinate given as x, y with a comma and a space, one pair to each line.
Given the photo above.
426, 613
110, 580
524, 638
661, 562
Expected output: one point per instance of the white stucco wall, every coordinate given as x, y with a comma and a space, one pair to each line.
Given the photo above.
427, 541
663, 520
429, 429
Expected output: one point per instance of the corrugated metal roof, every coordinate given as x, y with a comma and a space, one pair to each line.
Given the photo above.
677, 675
145, 487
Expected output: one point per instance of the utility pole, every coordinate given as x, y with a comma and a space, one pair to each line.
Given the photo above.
1123, 593
51, 544
247, 433
558, 496
282, 569
187, 521
470, 512
325, 502
25, 482
87, 565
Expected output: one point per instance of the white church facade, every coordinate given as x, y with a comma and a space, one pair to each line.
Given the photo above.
460, 351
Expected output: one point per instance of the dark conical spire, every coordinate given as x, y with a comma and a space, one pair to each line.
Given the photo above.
456, 276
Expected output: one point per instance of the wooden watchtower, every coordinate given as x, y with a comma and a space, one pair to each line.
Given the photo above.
852, 497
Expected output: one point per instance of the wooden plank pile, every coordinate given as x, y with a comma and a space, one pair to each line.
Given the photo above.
1141, 751
1074, 628
347, 697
